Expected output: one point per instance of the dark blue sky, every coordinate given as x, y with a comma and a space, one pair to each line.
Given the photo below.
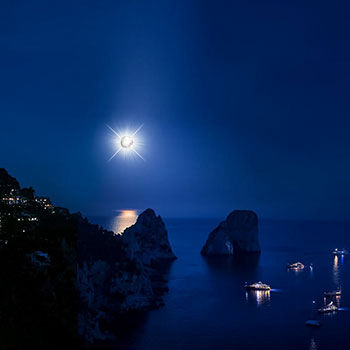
244, 104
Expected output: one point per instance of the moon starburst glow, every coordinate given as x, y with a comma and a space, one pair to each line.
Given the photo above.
127, 142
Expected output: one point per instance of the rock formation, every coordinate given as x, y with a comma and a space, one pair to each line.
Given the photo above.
120, 273
147, 239
237, 234
71, 269
38, 294
108, 290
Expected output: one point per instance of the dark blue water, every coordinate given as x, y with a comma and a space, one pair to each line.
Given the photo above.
208, 308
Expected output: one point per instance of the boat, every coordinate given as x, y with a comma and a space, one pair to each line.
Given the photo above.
257, 286
337, 251
328, 308
296, 266
313, 323
334, 293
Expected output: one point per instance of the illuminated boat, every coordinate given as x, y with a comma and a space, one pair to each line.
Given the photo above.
313, 323
336, 251
296, 266
334, 293
328, 308
257, 286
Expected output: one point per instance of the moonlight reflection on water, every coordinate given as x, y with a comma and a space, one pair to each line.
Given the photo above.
123, 220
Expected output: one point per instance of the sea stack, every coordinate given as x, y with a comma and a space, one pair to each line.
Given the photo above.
238, 234
147, 239
118, 274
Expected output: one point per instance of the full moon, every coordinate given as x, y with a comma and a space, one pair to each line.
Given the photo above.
126, 141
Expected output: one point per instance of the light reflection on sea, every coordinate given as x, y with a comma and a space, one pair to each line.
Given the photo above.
313, 344
336, 271
261, 296
123, 220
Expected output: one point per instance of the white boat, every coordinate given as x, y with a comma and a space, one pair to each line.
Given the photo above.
296, 266
337, 251
257, 286
328, 308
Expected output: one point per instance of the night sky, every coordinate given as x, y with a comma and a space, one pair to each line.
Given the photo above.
244, 105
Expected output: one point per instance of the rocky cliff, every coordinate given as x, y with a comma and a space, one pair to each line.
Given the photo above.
120, 273
237, 234
38, 295
75, 277
148, 239
7, 183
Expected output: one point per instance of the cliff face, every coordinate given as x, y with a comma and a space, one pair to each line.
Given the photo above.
7, 182
76, 278
107, 291
148, 239
117, 273
237, 234
38, 296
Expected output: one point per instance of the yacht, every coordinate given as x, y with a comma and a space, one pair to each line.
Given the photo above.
334, 293
328, 308
257, 286
296, 266
337, 251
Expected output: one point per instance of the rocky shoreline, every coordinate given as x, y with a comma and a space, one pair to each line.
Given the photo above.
92, 277
38, 250
128, 277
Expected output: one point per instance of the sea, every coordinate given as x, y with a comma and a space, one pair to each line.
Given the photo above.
207, 306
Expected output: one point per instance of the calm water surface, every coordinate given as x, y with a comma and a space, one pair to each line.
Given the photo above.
208, 308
